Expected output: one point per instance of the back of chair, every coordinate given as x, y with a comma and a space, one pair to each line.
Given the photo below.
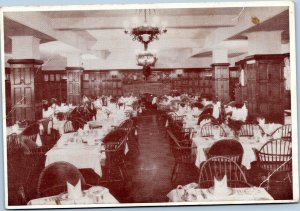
115, 136
68, 127
284, 132
219, 166
249, 130
53, 179
229, 148
182, 149
32, 129
114, 151
13, 143
210, 130
273, 154
47, 124
126, 125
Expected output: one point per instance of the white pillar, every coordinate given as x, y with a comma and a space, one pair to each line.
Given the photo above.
220, 55
265, 42
25, 47
74, 59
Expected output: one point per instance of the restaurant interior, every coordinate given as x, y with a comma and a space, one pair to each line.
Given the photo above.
147, 105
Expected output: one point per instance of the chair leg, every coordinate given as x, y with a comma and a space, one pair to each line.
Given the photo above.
174, 172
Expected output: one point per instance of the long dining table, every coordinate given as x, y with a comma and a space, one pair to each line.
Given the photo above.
83, 148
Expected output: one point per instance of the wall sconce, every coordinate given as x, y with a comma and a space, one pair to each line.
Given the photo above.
114, 74
179, 73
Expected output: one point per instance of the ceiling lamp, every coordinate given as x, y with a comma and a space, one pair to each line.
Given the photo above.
146, 58
145, 33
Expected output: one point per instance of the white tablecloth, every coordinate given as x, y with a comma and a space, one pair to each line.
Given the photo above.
14, 129
238, 194
247, 143
85, 199
62, 108
69, 148
79, 154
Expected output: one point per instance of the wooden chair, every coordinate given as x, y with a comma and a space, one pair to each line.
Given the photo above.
182, 152
219, 166
53, 179
206, 117
69, 127
273, 158
229, 148
132, 140
284, 132
249, 130
209, 130
114, 166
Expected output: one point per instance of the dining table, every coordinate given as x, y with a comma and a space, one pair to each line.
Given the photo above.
62, 108
191, 193
83, 148
248, 144
85, 198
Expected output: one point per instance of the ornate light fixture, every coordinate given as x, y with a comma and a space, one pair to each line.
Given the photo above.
145, 33
146, 58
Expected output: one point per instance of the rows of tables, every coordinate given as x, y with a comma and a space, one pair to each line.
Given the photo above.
191, 192
81, 148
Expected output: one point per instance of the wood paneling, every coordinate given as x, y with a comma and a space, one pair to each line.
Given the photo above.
73, 85
25, 92
264, 86
54, 86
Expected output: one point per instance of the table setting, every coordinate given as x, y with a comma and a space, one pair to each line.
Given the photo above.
218, 192
75, 195
248, 144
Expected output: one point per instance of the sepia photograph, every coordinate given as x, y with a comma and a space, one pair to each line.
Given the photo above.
149, 104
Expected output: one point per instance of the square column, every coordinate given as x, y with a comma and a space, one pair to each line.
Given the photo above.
26, 95
220, 74
74, 85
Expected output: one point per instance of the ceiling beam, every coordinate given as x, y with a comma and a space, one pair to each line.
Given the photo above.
91, 23
40, 22
244, 22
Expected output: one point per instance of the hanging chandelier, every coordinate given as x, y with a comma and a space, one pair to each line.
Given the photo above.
146, 58
147, 32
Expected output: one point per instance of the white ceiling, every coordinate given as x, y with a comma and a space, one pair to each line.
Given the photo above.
99, 35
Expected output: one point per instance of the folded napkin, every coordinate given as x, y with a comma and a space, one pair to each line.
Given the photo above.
38, 140
86, 127
74, 192
41, 129
220, 186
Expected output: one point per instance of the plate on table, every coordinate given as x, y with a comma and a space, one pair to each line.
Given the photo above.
97, 190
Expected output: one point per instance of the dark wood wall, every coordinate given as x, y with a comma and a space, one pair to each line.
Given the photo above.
264, 86
55, 86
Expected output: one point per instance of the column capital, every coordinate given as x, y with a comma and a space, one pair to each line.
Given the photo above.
220, 64
74, 68
25, 61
